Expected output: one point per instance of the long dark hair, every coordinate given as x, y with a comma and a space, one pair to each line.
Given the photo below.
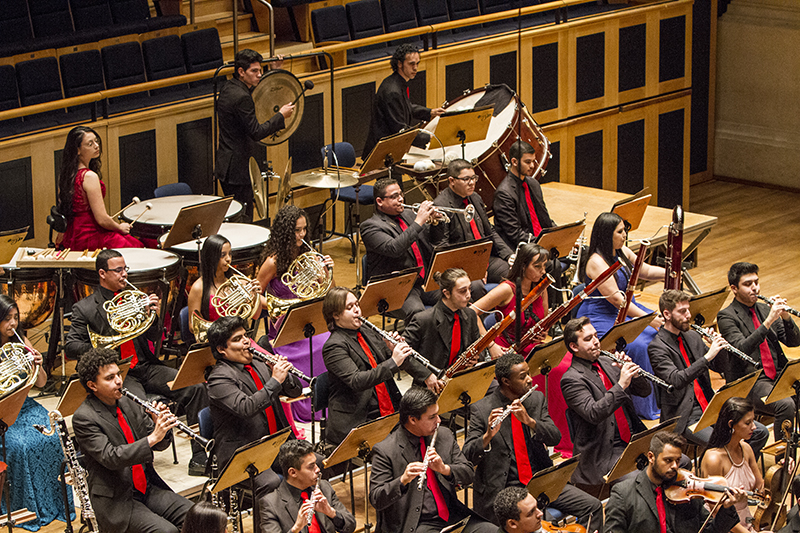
209, 259
281, 241
6, 305
732, 411
602, 240
205, 517
69, 167
526, 254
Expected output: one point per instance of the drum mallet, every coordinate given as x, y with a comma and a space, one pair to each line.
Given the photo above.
133, 202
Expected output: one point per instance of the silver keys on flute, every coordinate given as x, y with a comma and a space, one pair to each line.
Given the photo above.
426, 461
507, 411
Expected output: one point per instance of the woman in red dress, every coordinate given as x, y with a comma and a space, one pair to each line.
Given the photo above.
81, 193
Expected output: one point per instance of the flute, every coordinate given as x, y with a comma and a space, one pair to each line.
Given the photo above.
645, 374
270, 359
426, 461
726, 345
310, 513
770, 301
507, 410
207, 444
438, 372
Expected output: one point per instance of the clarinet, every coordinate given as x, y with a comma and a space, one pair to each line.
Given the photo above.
770, 301
438, 372
270, 359
507, 410
645, 374
425, 460
77, 472
205, 443
726, 345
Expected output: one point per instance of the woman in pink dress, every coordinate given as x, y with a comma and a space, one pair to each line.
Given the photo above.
80, 197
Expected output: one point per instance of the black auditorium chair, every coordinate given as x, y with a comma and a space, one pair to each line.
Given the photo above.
489, 7
122, 66
399, 15
136, 14
81, 73
15, 27
9, 99
329, 24
364, 20
39, 82
434, 12
463, 9
201, 51
537, 19
90, 14
50, 18
163, 58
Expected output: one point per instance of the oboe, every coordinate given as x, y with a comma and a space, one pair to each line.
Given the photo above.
770, 301
205, 443
438, 372
310, 513
507, 410
655, 379
426, 461
270, 359
726, 345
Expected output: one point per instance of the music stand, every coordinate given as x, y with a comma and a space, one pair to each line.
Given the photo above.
208, 216
787, 383
632, 208
637, 450
704, 307
359, 443
466, 387
546, 485
618, 337
387, 293
472, 256
9, 243
247, 462
461, 127
388, 151
545, 357
9, 410
560, 238
739, 389
193, 368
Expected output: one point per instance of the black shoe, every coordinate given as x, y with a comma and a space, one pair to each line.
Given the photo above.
197, 469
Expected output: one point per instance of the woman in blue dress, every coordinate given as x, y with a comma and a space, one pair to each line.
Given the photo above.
34, 460
606, 245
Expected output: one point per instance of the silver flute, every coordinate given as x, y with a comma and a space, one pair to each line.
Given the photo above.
310, 513
150, 408
426, 461
270, 359
507, 410
414, 354
645, 374
770, 301
725, 344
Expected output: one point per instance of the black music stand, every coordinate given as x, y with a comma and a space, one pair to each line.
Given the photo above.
465, 388
472, 256
461, 127
704, 307
618, 337
632, 208
9, 410
635, 455
560, 238
359, 443
387, 293
546, 485
544, 358
247, 462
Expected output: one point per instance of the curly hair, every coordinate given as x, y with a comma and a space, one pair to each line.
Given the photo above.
91, 362
400, 53
281, 243
69, 167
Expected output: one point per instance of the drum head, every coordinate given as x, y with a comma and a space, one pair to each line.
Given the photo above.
276, 89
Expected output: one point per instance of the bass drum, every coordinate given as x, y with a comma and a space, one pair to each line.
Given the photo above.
489, 156
34, 290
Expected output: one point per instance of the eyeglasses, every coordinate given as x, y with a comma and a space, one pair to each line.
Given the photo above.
395, 196
119, 270
468, 179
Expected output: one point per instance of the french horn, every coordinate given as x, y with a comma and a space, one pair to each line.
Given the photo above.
233, 298
16, 368
308, 277
129, 314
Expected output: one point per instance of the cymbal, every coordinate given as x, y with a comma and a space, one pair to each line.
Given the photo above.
320, 179
277, 88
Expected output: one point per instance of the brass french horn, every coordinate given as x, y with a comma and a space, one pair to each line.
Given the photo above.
129, 314
232, 298
308, 277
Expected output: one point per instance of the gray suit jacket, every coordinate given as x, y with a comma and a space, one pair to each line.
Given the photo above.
279, 511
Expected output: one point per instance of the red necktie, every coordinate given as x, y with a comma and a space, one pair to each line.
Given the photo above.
384, 400
472, 225
455, 340
414, 248
698, 391
273, 425
313, 527
619, 414
433, 484
524, 469
408, 93
139, 479
766, 355
537, 228
662, 513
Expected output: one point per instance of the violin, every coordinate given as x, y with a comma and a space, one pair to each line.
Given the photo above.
569, 528
688, 486
771, 513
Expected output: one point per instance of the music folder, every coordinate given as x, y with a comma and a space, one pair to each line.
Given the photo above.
561, 238
632, 208
739, 388
637, 447
208, 215
472, 256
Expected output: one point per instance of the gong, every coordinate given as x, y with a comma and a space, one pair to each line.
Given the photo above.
276, 89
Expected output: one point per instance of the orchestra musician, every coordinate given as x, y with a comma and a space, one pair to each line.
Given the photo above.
286, 510
680, 357
445, 330
758, 330
639, 504
147, 374
606, 245
459, 194
517, 511
403, 456
205, 517
117, 439
598, 395
509, 454
396, 239
361, 366
244, 394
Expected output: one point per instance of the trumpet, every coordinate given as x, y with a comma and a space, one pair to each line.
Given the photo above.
770, 301
270, 359
426, 461
468, 212
726, 345
205, 443
655, 379
438, 372
507, 411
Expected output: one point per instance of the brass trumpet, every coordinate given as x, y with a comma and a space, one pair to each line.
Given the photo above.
129, 314
468, 212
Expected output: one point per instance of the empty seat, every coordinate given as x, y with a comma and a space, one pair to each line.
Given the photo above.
9, 99
365, 20
81, 73
123, 65
329, 24
163, 58
489, 7
462, 9
399, 15
136, 13
434, 12
201, 51
38, 82
50, 18
15, 23
90, 14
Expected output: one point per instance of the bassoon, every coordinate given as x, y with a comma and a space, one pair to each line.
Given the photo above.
634, 279
674, 258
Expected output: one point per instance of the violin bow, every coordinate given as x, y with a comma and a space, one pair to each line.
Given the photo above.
712, 512
786, 492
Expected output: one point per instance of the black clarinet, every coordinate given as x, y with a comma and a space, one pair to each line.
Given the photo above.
789, 310
645, 374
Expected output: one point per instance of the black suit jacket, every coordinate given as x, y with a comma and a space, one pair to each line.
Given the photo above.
430, 332
492, 467
392, 110
669, 365
353, 380
398, 506
632, 507
279, 511
736, 325
109, 457
511, 215
458, 229
237, 407
239, 131
388, 247
593, 421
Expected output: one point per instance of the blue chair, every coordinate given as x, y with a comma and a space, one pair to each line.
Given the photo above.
186, 332
173, 189
205, 423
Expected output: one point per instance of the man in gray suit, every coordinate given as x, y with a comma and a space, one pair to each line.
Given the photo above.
288, 507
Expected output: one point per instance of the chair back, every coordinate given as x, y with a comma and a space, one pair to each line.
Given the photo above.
345, 155
322, 391
173, 189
